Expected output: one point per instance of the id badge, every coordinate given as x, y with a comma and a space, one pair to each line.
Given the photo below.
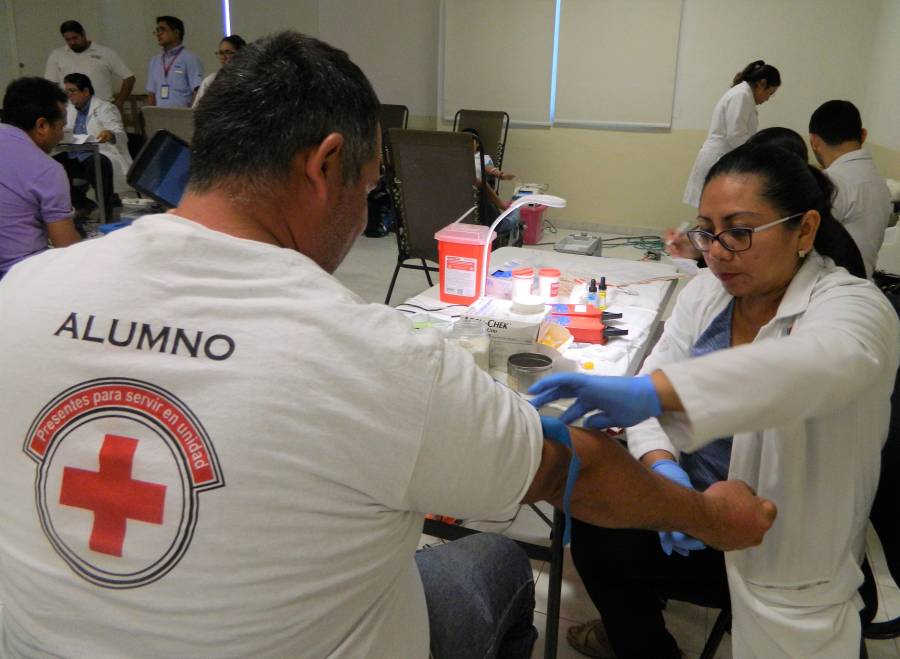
164, 91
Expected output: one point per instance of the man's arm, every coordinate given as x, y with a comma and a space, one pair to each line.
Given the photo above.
124, 92
151, 99
62, 233
616, 491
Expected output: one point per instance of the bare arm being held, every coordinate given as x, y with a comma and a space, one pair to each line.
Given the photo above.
616, 491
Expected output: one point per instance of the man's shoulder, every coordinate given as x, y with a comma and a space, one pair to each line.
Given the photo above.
190, 55
26, 154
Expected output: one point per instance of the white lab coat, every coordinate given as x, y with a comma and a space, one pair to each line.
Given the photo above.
103, 115
808, 405
734, 121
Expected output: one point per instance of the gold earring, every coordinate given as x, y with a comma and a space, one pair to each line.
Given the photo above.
801, 253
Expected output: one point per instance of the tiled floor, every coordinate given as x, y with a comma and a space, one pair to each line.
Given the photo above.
367, 270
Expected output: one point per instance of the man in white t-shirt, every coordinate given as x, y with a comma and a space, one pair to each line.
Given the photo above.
99, 63
862, 201
224, 452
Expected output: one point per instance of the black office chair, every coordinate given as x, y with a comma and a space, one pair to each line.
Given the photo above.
433, 183
884, 518
492, 127
381, 217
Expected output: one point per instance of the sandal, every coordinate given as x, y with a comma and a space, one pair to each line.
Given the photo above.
590, 639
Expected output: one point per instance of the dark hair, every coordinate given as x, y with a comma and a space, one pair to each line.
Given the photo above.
836, 122
71, 26
81, 81
173, 23
785, 138
756, 71
792, 186
236, 41
28, 99
283, 94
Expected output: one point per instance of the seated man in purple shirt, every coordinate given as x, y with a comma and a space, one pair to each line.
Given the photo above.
34, 191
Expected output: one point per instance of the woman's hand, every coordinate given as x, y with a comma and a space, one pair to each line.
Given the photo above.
678, 245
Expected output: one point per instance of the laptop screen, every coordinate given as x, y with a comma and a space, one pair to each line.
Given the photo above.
160, 170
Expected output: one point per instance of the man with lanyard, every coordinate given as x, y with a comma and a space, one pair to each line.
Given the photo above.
862, 201
176, 73
99, 63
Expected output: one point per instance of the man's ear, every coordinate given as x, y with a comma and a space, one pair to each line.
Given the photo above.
862, 136
323, 165
815, 141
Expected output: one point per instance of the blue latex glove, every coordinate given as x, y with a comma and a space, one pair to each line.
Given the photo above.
676, 540
619, 401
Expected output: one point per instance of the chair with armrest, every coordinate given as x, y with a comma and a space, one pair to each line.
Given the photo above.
492, 127
393, 116
380, 210
433, 184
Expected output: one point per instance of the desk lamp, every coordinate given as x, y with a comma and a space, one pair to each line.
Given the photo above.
537, 199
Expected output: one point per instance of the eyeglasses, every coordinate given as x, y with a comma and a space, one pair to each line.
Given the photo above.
161, 29
225, 53
69, 92
738, 239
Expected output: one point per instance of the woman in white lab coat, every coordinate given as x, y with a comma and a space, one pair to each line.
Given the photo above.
776, 367
734, 120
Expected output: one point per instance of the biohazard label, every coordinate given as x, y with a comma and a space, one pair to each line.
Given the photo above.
120, 466
460, 275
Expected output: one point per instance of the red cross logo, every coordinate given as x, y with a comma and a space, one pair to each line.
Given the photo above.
112, 495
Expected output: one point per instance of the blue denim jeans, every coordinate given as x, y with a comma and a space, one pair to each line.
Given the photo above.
480, 596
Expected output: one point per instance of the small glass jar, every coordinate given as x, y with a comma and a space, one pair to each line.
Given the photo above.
472, 335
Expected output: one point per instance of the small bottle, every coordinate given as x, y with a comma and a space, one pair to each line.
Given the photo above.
602, 294
472, 335
591, 298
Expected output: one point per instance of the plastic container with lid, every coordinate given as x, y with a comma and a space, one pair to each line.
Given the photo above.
548, 284
523, 281
471, 334
461, 261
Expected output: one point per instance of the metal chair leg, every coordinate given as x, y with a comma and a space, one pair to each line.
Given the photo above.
722, 625
387, 300
554, 587
427, 272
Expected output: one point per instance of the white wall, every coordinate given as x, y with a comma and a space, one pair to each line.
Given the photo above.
823, 49
253, 19
881, 111
393, 41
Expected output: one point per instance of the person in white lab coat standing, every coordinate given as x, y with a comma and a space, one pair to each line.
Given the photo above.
776, 367
734, 121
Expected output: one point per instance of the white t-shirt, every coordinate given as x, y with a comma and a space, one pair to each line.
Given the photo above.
257, 488
862, 202
97, 62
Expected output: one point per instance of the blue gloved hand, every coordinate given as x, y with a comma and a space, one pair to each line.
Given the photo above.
619, 401
676, 540
556, 430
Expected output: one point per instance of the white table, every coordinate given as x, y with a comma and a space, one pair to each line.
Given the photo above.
651, 285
